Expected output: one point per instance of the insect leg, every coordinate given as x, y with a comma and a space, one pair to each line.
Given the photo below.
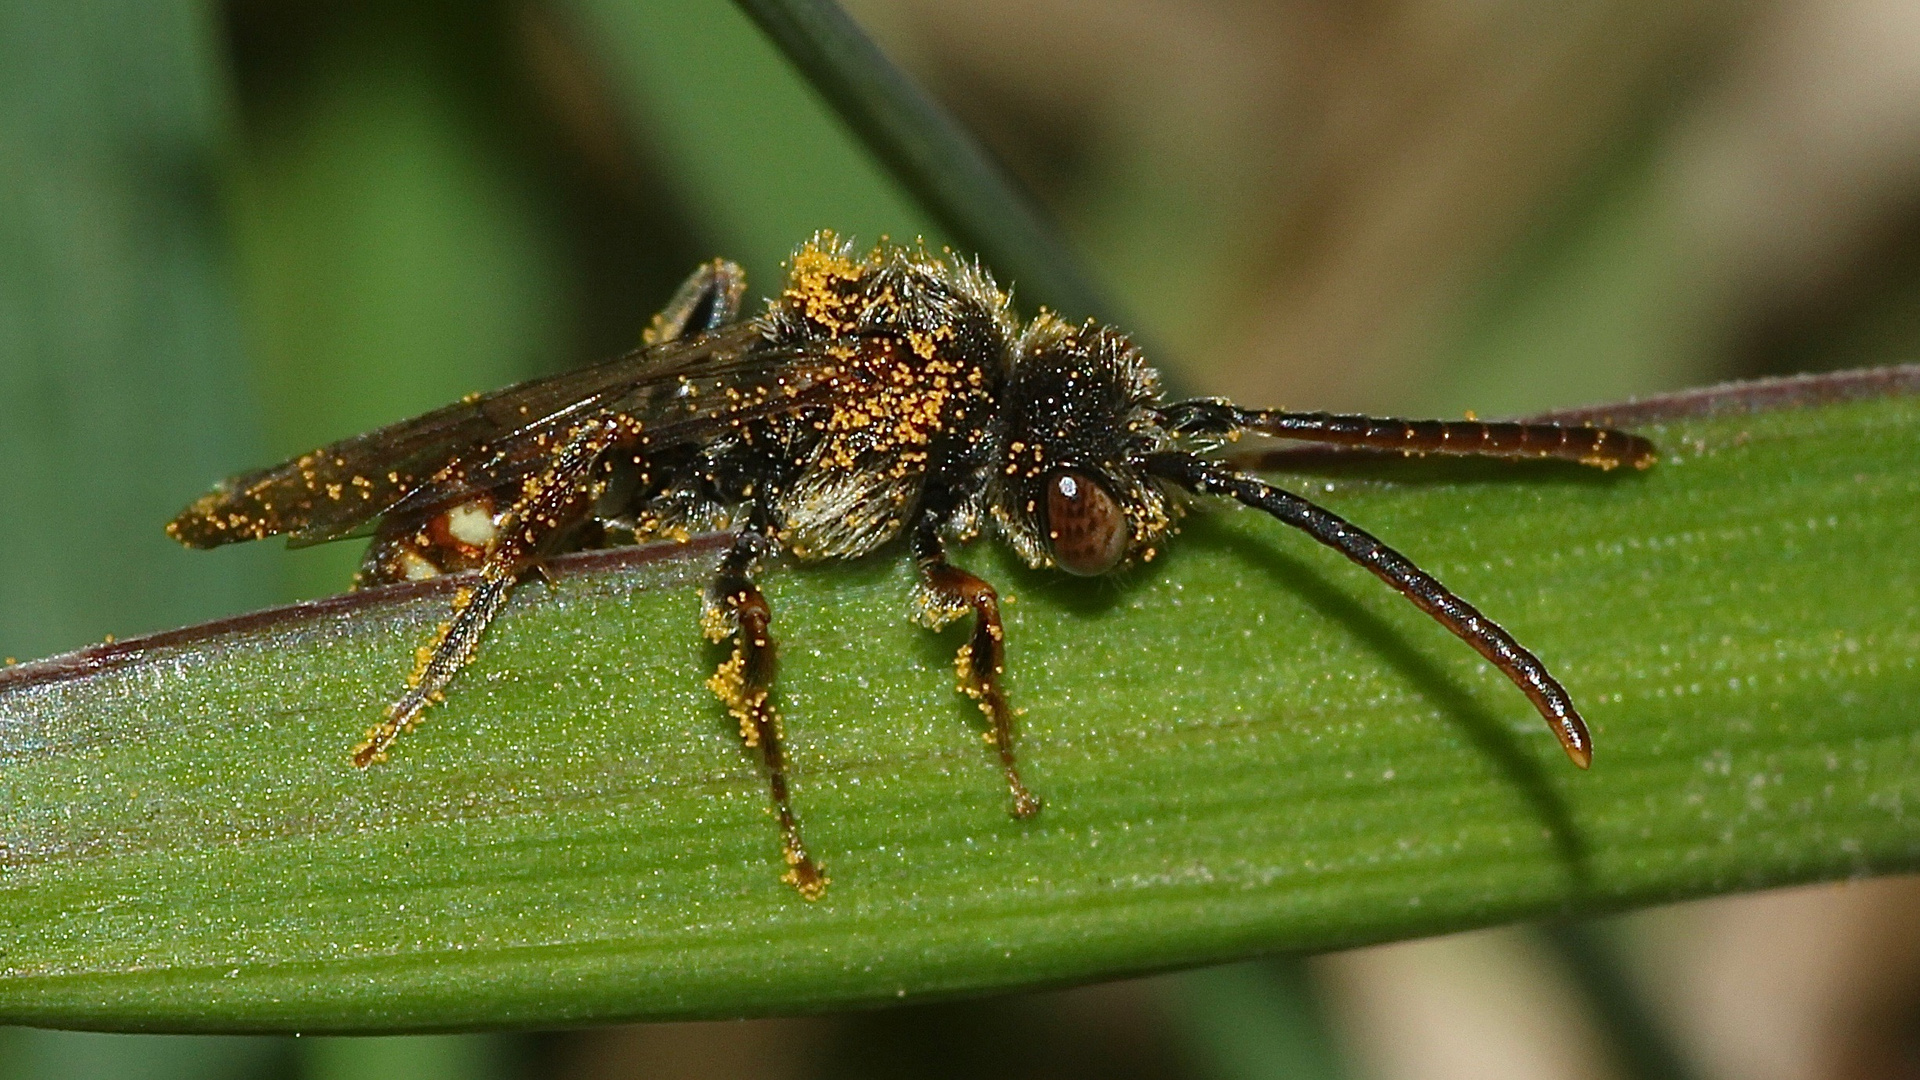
1485, 635
548, 504
708, 300
736, 608
1602, 448
947, 593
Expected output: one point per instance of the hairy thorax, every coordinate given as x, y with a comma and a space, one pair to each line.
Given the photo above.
862, 477
910, 353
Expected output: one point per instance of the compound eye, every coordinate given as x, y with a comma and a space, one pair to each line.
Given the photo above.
1087, 530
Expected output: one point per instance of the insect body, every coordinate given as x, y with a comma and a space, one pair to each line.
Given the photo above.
879, 397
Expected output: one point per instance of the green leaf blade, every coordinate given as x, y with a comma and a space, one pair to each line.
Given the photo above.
1246, 746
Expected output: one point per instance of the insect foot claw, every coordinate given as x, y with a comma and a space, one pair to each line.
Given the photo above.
807, 878
1025, 803
373, 749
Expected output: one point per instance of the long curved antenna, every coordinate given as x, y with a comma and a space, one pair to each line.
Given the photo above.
1486, 636
1603, 448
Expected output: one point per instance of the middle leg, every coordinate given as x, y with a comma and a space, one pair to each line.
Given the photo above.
736, 608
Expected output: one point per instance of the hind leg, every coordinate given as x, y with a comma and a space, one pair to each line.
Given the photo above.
550, 504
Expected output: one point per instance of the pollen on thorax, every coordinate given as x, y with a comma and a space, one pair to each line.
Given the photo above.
815, 283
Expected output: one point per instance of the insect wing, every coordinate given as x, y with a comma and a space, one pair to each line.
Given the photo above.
479, 444
683, 405
695, 406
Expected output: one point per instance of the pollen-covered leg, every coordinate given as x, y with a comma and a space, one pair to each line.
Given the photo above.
736, 608
950, 592
549, 504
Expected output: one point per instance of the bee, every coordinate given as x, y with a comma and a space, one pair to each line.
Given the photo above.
883, 396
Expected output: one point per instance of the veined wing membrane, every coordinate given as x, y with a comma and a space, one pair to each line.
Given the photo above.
484, 443
332, 491
680, 408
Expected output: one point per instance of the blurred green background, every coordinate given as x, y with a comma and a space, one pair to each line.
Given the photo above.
231, 232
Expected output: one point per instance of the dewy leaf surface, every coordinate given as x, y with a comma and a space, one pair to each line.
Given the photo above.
1246, 746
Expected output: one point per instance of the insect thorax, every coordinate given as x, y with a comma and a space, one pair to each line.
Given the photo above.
918, 350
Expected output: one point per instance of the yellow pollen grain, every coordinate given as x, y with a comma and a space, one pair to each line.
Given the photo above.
730, 687
813, 284
809, 890
963, 667
424, 655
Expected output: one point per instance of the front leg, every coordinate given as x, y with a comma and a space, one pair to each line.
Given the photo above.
947, 592
736, 608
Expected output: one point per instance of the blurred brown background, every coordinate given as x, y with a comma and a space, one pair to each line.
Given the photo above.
1429, 206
